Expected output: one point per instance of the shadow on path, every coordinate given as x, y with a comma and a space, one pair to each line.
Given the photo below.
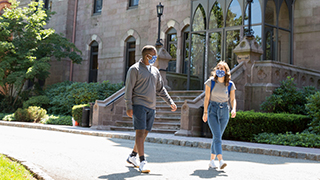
208, 174
164, 153
133, 172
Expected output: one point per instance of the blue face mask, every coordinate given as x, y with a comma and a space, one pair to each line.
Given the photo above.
220, 73
152, 60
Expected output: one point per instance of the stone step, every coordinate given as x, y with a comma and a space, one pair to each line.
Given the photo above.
157, 119
156, 125
185, 93
155, 130
178, 98
162, 103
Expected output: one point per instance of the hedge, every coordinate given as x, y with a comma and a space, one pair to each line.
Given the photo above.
248, 123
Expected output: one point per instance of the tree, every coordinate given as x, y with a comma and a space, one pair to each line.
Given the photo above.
26, 48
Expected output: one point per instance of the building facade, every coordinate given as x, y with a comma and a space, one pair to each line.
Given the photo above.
196, 33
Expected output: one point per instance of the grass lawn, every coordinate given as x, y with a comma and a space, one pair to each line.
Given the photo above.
11, 170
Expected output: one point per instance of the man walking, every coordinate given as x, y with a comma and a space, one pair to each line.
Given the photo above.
143, 83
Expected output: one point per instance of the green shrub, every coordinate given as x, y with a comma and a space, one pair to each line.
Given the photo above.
57, 120
248, 123
33, 113
288, 99
77, 112
313, 108
2, 115
64, 96
41, 101
9, 117
289, 139
22, 115
36, 113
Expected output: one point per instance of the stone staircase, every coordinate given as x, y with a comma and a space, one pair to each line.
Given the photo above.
165, 120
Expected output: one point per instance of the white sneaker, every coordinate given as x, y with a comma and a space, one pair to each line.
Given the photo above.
213, 165
222, 164
133, 160
144, 167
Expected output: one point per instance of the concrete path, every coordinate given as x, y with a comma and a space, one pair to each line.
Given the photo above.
71, 155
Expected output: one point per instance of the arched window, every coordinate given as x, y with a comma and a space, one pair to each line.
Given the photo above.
278, 31
130, 53
216, 16
234, 14
199, 20
93, 66
172, 41
271, 22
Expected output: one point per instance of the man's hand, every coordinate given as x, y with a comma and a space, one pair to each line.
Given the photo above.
173, 107
130, 112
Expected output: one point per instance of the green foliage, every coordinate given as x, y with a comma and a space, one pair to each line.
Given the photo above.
22, 115
289, 139
41, 101
26, 48
288, 99
33, 113
313, 108
64, 96
36, 113
2, 115
248, 123
57, 120
77, 112
9, 117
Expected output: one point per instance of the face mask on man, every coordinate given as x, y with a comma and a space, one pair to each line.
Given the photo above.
220, 73
152, 60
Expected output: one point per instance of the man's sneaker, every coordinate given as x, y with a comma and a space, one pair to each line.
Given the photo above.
213, 165
144, 167
222, 164
133, 160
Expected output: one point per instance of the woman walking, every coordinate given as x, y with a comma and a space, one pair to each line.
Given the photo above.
219, 90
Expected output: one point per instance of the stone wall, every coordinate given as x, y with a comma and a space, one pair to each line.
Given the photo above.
115, 24
306, 33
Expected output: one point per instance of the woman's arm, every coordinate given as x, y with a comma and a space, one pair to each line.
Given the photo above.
233, 104
206, 103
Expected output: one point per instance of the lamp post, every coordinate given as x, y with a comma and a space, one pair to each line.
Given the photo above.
159, 13
250, 31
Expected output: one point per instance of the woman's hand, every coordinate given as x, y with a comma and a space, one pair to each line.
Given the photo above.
233, 113
205, 117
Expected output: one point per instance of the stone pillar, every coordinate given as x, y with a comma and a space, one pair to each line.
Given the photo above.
247, 51
162, 63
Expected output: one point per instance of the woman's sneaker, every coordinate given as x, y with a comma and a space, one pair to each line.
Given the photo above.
144, 167
213, 165
222, 164
133, 160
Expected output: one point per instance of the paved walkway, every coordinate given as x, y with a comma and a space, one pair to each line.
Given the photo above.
227, 145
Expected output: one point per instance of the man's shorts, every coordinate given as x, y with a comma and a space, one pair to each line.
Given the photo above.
143, 117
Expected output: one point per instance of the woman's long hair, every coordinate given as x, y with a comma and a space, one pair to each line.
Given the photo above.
227, 77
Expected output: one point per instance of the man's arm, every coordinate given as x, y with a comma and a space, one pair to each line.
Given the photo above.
130, 83
162, 92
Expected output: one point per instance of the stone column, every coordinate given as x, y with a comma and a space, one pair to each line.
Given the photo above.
247, 51
162, 63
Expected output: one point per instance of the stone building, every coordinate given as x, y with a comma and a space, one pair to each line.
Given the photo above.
197, 34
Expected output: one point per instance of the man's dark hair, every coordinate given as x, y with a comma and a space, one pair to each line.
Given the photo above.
147, 49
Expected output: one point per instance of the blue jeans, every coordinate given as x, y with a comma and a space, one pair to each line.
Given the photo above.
218, 118
143, 117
